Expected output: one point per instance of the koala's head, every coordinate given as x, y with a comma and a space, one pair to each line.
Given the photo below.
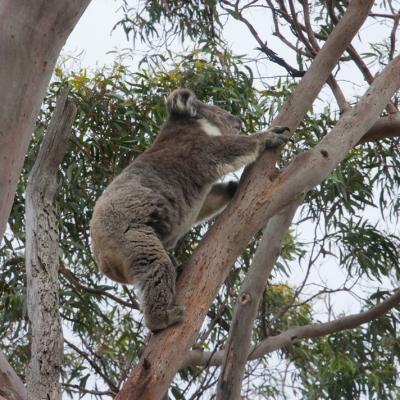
182, 103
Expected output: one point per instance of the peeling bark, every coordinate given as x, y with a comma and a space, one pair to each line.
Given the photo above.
247, 213
41, 258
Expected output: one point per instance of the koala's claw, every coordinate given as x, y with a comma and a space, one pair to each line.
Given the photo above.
275, 140
279, 129
232, 188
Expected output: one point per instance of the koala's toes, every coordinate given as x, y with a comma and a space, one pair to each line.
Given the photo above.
280, 130
163, 319
176, 314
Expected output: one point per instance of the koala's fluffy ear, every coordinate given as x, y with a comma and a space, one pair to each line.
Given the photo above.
182, 102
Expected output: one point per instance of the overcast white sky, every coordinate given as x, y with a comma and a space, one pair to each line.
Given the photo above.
92, 35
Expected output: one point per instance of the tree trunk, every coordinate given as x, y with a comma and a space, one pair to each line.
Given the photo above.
41, 258
32, 34
247, 213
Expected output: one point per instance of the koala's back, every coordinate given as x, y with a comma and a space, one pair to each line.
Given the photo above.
152, 194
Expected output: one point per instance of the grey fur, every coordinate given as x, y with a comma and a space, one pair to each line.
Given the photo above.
163, 192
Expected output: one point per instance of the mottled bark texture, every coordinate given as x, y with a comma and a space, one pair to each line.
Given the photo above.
42, 258
32, 34
247, 213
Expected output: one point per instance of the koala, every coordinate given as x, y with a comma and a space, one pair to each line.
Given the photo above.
146, 209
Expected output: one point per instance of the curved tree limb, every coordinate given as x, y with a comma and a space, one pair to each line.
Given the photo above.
246, 214
322, 159
42, 257
297, 333
236, 350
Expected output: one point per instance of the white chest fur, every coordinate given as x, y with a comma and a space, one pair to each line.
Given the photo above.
209, 129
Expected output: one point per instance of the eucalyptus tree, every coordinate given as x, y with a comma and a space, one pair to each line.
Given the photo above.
260, 323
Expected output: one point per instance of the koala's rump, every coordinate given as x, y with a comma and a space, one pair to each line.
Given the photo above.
129, 209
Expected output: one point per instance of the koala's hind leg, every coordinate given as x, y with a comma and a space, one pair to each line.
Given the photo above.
155, 276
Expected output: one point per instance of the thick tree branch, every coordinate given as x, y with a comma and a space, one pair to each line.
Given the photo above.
251, 292
297, 333
246, 214
32, 34
41, 257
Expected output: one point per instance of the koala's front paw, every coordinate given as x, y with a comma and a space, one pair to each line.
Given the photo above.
276, 136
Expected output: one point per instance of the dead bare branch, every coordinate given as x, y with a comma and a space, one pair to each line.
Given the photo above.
41, 257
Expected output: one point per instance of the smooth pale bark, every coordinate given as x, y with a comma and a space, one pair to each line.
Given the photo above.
32, 34
238, 344
246, 214
42, 258
296, 333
